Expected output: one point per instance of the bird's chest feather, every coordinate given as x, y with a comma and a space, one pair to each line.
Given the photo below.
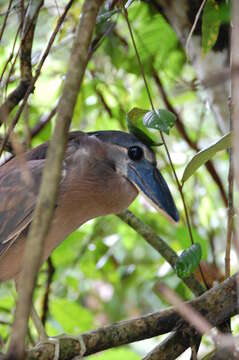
80, 201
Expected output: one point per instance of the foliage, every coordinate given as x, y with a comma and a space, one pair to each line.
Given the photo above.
160, 119
105, 272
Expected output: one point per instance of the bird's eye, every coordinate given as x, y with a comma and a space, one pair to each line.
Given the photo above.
135, 153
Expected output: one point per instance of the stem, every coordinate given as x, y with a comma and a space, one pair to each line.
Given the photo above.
161, 134
230, 214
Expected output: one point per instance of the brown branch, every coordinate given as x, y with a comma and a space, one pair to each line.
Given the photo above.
5, 19
174, 345
235, 89
25, 61
50, 274
103, 101
27, 35
51, 174
230, 214
215, 305
180, 126
38, 71
160, 245
44, 120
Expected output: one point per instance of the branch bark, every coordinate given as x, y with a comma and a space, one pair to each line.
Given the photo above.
51, 175
25, 60
235, 83
33, 81
216, 305
161, 246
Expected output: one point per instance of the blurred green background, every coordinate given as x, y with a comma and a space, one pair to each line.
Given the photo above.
105, 272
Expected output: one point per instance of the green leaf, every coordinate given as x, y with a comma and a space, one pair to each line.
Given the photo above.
136, 127
161, 119
210, 25
188, 261
206, 154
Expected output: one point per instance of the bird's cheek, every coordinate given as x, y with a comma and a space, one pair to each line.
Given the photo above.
128, 194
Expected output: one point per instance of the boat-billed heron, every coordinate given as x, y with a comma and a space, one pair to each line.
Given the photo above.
102, 173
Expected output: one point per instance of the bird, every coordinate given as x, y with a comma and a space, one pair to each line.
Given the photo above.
102, 173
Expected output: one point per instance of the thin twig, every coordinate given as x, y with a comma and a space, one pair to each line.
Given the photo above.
29, 20
230, 209
38, 71
5, 19
182, 130
25, 63
193, 317
10, 56
230, 187
45, 302
194, 26
44, 120
162, 136
235, 95
174, 345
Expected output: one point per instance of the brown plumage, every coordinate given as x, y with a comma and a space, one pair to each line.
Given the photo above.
99, 176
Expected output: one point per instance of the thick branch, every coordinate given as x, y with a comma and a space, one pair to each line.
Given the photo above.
216, 305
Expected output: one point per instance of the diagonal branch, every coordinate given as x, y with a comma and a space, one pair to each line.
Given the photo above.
25, 60
51, 175
5, 19
215, 305
33, 81
160, 245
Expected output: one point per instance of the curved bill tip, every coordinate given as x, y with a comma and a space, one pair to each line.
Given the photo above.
163, 198
149, 180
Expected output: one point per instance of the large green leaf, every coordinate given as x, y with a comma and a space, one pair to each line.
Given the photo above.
210, 25
206, 154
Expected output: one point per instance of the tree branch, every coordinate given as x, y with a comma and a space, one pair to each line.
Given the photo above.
25, 60
160, 245
38, 71
216, 305
51, 175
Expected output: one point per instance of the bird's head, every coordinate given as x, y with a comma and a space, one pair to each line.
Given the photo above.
136, 162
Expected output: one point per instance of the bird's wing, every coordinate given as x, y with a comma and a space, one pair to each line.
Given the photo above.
19, 186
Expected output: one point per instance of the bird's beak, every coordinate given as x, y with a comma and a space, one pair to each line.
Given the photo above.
147, 178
